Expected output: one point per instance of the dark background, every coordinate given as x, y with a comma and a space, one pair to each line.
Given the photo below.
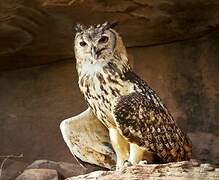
174, 44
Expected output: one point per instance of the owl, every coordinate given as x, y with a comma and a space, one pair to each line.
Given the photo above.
125, 121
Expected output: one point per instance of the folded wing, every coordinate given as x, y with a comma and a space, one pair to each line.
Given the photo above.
150, 126
88, 139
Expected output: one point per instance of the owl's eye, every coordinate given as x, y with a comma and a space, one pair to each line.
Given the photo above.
82, 43
103, 39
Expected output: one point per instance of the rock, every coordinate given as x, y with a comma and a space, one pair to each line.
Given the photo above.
38, 174
12, 168
63, 168
187, 170
47, 169
142, 23
205, 147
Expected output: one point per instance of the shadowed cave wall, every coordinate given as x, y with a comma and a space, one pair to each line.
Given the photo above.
175, 47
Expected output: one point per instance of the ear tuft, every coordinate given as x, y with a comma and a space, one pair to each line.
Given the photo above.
79, 28
114, 24
108, 25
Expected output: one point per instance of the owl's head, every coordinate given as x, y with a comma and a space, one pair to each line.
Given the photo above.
98, 43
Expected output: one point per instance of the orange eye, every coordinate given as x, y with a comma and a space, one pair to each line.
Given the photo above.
103, 39
82, 43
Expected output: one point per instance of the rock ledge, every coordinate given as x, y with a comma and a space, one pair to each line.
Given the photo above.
180, 170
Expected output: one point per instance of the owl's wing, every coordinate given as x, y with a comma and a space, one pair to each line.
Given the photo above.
88, 139
149, 125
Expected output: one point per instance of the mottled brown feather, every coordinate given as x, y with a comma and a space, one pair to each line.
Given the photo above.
150, 126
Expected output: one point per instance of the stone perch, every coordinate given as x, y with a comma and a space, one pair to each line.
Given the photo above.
189, 170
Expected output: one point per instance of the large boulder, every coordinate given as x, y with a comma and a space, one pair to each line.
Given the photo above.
63, 168
38, 174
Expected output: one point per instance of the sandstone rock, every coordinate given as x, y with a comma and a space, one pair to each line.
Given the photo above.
63, 168
181, 170
12, 168
205, 147
38, 174
24, 25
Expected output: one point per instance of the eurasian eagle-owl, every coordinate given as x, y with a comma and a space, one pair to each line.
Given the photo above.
136, 122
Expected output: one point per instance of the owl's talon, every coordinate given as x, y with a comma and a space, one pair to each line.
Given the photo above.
113, 168
144, 162
127, 163
118, 168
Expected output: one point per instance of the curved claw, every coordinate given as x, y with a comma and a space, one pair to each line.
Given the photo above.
127, 163
144, 162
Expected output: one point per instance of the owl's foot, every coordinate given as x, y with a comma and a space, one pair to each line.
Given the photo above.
144, 162
118, 167
127, 163
113, 168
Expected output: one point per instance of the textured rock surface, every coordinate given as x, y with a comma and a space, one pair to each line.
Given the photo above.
64, 169
11, 169
24, 25
40, 169
205, 146
172, 171
38, 174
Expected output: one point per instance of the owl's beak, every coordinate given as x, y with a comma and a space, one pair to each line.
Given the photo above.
94, 51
